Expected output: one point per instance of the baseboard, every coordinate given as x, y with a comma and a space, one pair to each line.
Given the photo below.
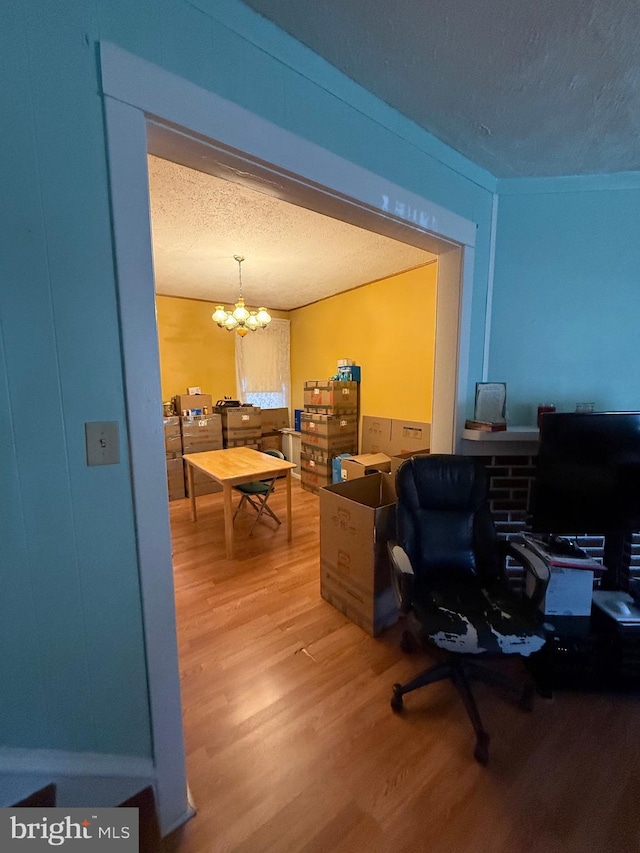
60, 762
81, 778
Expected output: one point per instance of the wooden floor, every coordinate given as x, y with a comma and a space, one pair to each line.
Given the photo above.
292, 746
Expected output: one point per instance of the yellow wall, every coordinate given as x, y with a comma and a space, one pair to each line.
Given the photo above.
388, 328
193, 350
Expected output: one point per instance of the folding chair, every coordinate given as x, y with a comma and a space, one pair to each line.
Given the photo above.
256, 494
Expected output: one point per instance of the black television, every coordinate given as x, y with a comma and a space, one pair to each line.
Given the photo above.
588, 478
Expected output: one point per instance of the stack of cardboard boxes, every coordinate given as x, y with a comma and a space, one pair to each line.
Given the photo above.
273, 420
199, 434
198, 426
193, 429
173, 456
397, 438
329, 426
241, 425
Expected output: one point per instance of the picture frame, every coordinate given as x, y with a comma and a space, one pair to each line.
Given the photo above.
490, 402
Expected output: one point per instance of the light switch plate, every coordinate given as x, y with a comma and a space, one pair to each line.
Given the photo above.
103, 442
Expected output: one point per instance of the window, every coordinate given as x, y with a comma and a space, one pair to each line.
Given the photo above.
262, 366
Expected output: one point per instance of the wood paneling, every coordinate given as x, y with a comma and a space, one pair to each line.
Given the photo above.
292, 745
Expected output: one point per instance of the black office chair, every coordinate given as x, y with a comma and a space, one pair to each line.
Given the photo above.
256, 494
449, 578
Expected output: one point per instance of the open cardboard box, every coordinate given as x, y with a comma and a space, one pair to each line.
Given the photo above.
357, 518
355, 466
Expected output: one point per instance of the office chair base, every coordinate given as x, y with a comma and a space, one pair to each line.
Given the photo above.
408, 643
481, 751
396, 700
462, 672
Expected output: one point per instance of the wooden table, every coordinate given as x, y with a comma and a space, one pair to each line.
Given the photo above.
231, 467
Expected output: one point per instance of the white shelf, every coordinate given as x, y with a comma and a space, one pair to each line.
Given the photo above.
514, 441
521, 433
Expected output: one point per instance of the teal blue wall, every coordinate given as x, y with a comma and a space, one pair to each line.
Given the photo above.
566, 305
70, 609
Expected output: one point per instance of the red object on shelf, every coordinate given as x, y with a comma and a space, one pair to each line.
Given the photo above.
545, 407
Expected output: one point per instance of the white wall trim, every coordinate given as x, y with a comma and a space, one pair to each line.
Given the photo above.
491, 274
44, 762
127, 149
137, 95
137, 82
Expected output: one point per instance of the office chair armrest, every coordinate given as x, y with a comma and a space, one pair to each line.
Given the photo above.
536, 571
402, 576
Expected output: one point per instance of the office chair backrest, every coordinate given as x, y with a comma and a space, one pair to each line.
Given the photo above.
443, 518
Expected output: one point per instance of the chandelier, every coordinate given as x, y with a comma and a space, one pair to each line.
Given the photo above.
241, 320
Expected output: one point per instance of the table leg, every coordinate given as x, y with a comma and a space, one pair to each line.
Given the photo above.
289, 505
192, 492
228, 520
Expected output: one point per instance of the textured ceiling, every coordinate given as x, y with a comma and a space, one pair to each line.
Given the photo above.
521, 87
293, 256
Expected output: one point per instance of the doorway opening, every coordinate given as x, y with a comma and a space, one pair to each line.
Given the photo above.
150, 110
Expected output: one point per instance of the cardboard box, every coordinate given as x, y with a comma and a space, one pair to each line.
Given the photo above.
373, 615
172, 437
409, 436
175, 479
331, 433
352, 373
314, 472
254, 443
357, 518
313, 480
202, 433
394, 436
271, 442
187, 402
330, 396
316, 453
241, 423
376, 435
569, 592
273, 420
355, 466
396, 461
328, 448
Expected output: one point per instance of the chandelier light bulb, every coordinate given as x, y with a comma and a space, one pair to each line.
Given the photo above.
230, 323
263, 317
240, 313
252, 321
219, 316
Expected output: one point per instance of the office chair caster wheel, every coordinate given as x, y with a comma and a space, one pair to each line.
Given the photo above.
481, 752
396, 700
526, 698
408, 643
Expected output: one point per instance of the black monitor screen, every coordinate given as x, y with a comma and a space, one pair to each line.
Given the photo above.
588, 475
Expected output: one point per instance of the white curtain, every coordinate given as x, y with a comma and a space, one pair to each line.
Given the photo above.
263, 366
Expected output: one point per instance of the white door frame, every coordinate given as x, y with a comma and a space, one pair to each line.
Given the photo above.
149, 109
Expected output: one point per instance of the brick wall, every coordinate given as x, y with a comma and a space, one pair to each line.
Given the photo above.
510, 480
